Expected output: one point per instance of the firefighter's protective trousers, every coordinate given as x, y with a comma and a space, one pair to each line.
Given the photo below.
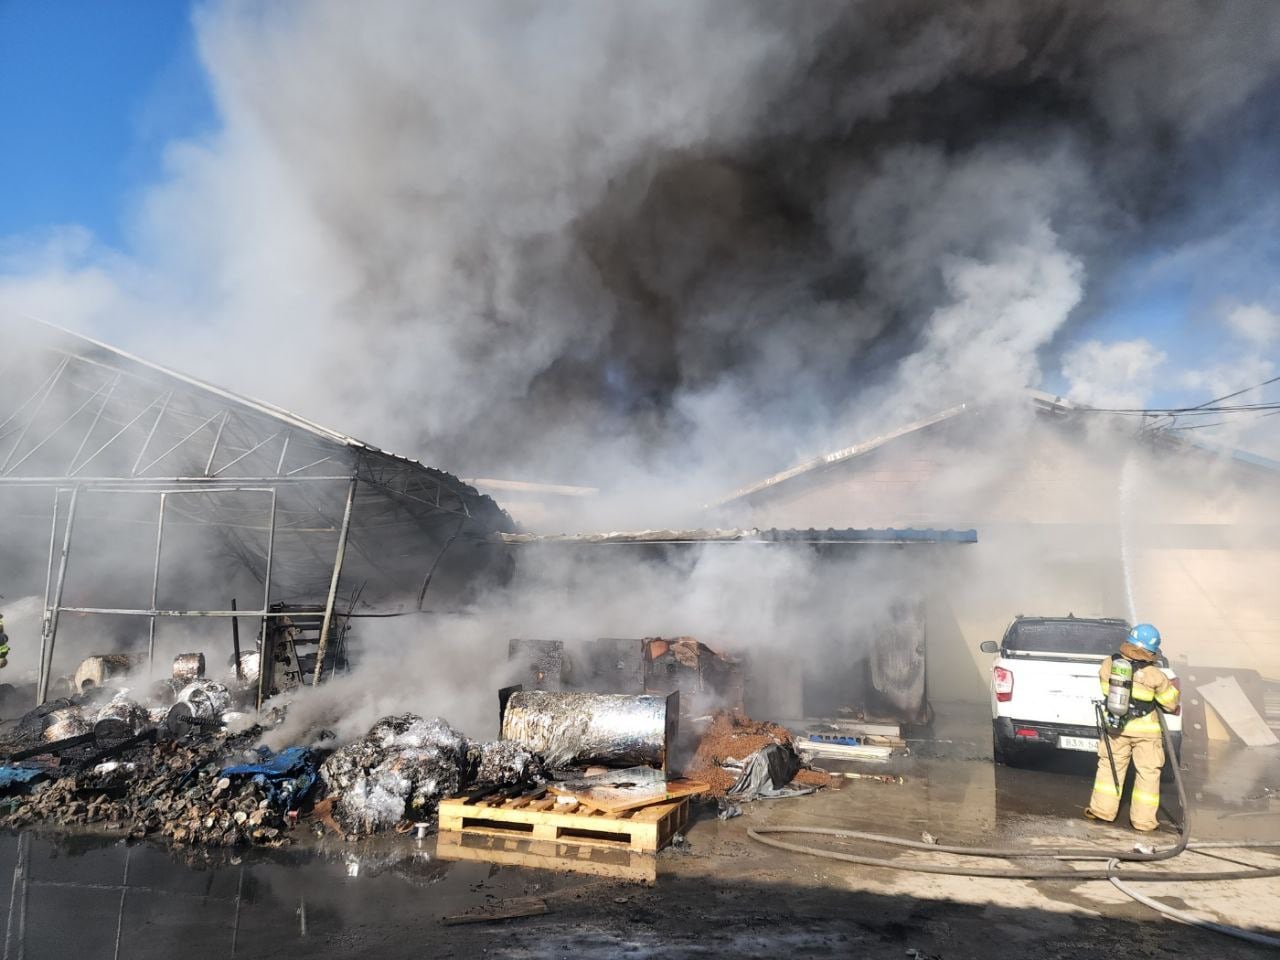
1140, 742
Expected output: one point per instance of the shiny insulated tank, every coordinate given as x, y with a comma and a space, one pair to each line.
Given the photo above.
567, 728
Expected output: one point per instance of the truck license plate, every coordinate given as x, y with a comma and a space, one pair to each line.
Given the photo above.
1078, 743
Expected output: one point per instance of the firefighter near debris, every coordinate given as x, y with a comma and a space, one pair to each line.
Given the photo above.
4, 645
1133, 689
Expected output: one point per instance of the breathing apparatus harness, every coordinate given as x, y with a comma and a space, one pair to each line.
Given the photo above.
1120, 705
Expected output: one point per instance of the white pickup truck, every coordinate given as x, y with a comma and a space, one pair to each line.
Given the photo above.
1044, 684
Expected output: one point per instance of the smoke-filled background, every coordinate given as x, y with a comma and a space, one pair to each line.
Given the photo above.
665, 249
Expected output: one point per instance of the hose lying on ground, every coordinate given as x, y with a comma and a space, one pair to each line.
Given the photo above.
1107, 872
1189, 918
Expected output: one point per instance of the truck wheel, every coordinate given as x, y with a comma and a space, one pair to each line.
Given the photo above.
1005, 753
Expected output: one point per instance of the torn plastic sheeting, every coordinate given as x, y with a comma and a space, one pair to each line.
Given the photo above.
288, 776
766, 774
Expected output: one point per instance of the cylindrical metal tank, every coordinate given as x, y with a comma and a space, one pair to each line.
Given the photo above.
609, 728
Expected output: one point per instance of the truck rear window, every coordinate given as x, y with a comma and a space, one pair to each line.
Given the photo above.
1065, 636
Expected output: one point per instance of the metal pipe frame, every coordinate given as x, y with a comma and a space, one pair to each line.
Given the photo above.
333, 585
48, 389
266, 608
51, 616
55, 431
54, 608
155, 590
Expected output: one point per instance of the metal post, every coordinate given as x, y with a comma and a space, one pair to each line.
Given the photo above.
217, 439
235, 926
18, 906
124, 893
51, 615
333, 583
48, 576
155, 590
235, 641
422, 594
264, 667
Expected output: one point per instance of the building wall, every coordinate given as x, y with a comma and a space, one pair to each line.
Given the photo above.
1061, 514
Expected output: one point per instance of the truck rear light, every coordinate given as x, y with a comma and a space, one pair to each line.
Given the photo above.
1177, 685
1026, 732
1004, 684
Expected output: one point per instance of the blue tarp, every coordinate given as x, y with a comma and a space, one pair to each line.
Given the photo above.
18, 779
288, 776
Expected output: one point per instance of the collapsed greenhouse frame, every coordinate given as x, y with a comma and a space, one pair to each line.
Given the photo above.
100, 421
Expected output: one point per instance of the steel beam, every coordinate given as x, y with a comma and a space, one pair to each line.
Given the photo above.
155, 425
217, 438
97, 417
116, 436
178, 444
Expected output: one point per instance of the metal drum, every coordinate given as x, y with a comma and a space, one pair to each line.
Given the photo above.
188, 667
249, 668
576, 728
120, 718
199, 704
65, 723
96, 670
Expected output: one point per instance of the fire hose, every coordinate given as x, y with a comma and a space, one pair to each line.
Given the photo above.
1111, 860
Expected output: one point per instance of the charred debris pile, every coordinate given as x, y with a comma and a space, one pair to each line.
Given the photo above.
180, 760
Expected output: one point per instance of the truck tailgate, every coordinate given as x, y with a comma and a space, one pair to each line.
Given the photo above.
1054, 691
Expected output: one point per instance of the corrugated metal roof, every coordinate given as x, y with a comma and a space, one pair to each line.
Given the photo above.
848, 535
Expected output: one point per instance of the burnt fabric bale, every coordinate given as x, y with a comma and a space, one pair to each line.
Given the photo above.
400, 770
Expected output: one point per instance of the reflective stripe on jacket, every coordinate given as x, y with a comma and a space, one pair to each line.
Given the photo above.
1149, 684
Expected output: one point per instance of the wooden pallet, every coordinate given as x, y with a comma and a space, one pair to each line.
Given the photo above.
646, 830
620, 863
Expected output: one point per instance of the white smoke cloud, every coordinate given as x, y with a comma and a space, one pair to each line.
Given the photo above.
662, 248
1122, 373
1254, 324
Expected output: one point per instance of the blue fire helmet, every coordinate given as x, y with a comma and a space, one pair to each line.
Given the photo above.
1146, 636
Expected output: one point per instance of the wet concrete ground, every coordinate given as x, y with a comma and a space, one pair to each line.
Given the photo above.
722, 894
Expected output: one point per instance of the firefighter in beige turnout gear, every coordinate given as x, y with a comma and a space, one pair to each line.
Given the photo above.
1134, 688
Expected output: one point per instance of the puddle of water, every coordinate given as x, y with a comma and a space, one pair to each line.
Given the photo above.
92, 897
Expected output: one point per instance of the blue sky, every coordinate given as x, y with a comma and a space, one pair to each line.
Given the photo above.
90, 91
